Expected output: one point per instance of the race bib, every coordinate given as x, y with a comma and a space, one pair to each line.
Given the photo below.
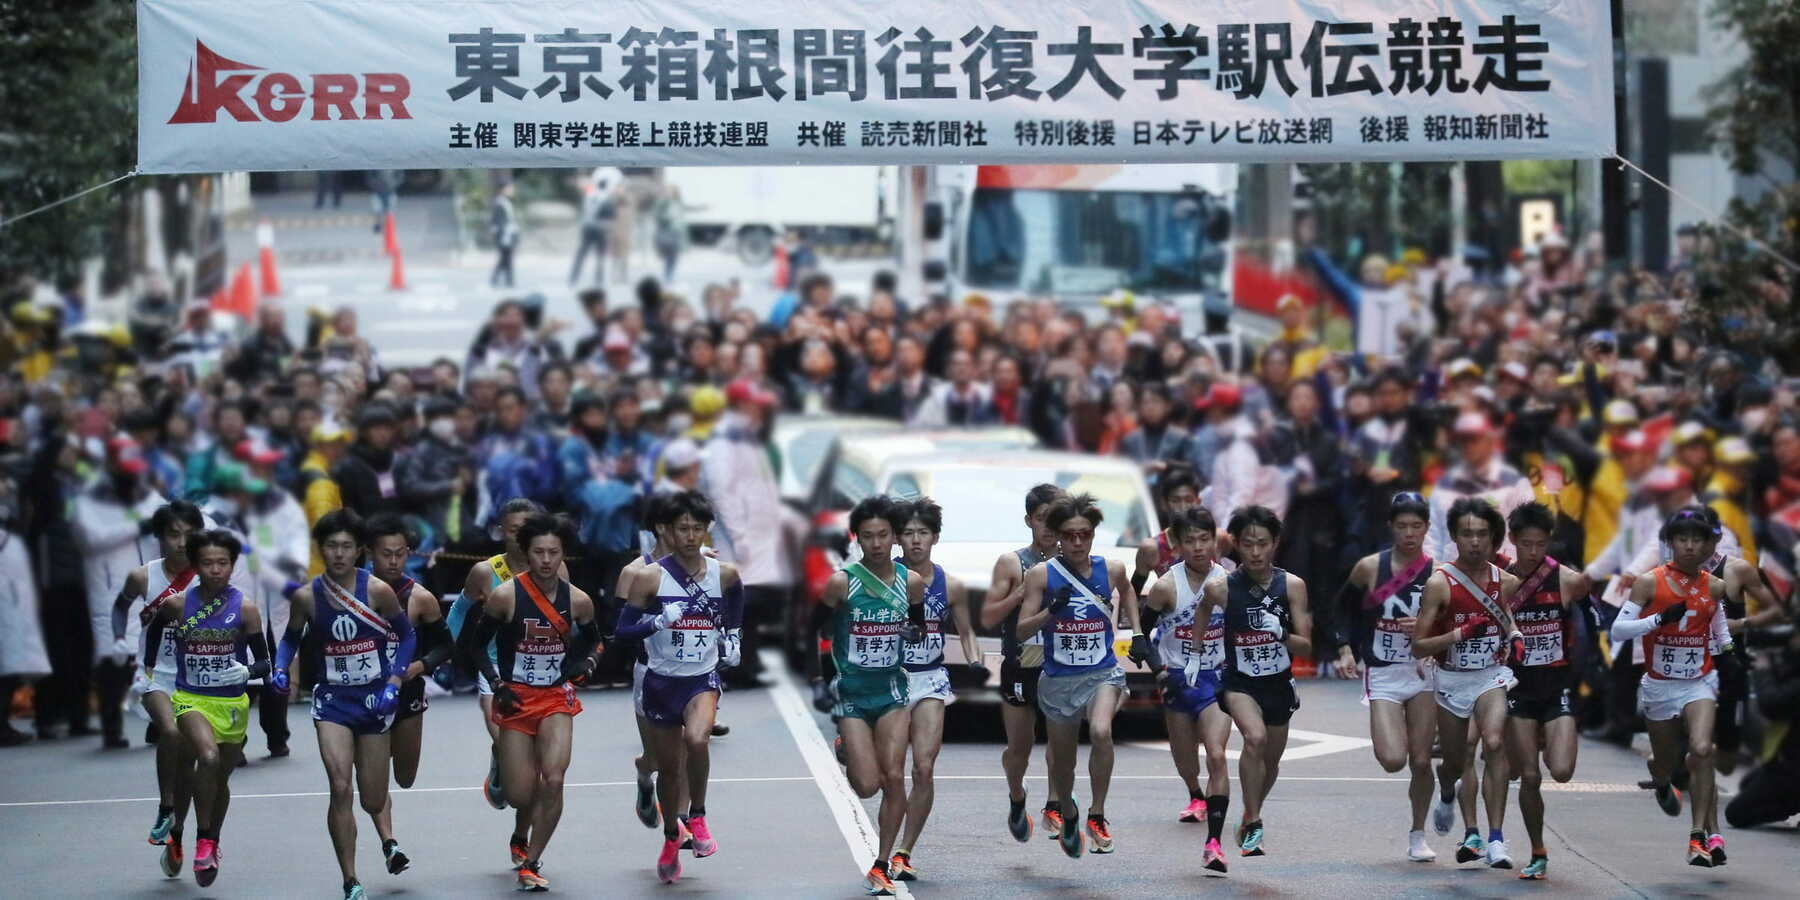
875, 645
692, 639
1212, 648
540, 669
352, 663
1543, 643
929, 649
1258, 653
1475, 653
1392, 643
1080, 642
1678, 662
205, 663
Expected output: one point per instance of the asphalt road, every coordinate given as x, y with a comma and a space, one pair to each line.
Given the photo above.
74, 819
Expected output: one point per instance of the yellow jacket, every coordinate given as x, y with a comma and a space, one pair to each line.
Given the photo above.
321, 496
1721, 494
1597, 505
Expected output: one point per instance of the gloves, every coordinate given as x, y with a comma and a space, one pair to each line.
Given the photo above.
824, 696
1062, 600
1140, 648
1273, 624
671, 613
579, 671
732, 648
910, 632
1672, 615
505, 700
1515, 648
388, 700
278, 680
236, 673
1476, 624
979, 671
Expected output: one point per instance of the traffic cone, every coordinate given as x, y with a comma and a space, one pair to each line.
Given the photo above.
391, 244
397, 280
240, 296
781, 266
265, 241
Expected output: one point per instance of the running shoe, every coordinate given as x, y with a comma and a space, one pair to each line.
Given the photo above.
171, 859
704, 845
530, 878
1099, 835
354, 891
901, 868
668, 862
1053, 822
1698, 855
878, 884
1417, 849
683, 834
396, 858
1250, 839
720, 729
159, 832
1497, 857
1536, 870
490, 786
1668, 797
1214, 859
518, 850
1070, 834
647, 812
1443, 812
1018, 822
1194, 812
1716, 846
1471, 849
206, 861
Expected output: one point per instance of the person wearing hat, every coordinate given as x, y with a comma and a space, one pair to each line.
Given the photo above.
1479, 471
32, 341
1599, 479
706, 404
437, 478
1693, 443
1728, 492
319, 492
230, 424
111, 523
738, 476
365, 474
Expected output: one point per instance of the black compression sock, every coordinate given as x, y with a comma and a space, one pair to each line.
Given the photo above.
1215, 815
882, 865
388, 845
519, 838
1196, 794
1469, 831
694, 812
164, 810
1697, 836
207, 834
350, 883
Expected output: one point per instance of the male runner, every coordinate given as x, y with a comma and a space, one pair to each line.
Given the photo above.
1191, 674
927, 679
1749, 603
1021, 661
1540, 711
1068, 600
698, 606
1380, 605
1463, 613
1676, 608
213, 628
1178, 491
656, 523
546, 636
390, 547
357, 617
869, 605
156, 581
1266, 620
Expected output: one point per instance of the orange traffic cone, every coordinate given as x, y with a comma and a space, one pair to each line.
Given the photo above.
265, 241
397, 280
391, 244
240, 297
781, 267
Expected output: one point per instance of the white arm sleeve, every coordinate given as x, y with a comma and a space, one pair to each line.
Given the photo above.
1631, 624
1721, 631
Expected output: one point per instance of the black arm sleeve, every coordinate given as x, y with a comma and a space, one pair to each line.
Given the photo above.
259, 655
473, 646
436, 644
821, 620
1351, 626
581, 645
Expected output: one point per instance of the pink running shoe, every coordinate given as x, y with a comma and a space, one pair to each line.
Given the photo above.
668, 863
1214, 858
1195, 812
206, 861
704, 845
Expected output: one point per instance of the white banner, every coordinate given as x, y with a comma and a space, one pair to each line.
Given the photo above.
358, 84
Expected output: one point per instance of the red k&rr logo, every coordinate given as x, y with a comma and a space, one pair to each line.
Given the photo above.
217, 84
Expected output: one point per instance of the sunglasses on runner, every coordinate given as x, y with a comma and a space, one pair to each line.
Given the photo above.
1083, 534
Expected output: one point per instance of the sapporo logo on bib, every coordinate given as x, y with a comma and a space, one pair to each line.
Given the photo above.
874, 645
1080, 642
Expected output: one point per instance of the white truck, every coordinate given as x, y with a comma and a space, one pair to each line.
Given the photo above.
746, 208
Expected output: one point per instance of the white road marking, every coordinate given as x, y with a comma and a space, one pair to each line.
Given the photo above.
1318, 743
847, 810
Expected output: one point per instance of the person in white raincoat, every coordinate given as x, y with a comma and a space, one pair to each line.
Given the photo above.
111, 520
22, 655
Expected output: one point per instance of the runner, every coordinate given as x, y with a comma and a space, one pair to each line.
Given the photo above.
1266, 619
1540, 711
1021, 661
1190, 675
693, 633
390, 547
213, 628
1068, 600
648, 812
1178, 491
927, 679
1381, 606
1460, 622
872, 605
1676, 609
360, 654
1749, 603
546, 634
154, 582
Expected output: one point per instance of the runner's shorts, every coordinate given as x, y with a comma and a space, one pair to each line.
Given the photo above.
351, 707
412, 699
1458, 690
1065, 698
229, 716
870, 697
1274, 695
637, 686
537, 704
1180, 696
665, 697
931, 684
1399, 682
154, 681
1542, 694
1662, 699
1019, 684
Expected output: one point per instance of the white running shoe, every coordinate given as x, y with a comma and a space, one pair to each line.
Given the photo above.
1443, 812
1496, 855
1416, 848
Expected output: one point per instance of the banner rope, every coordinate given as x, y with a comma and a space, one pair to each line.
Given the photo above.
1695, 205
75, 196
